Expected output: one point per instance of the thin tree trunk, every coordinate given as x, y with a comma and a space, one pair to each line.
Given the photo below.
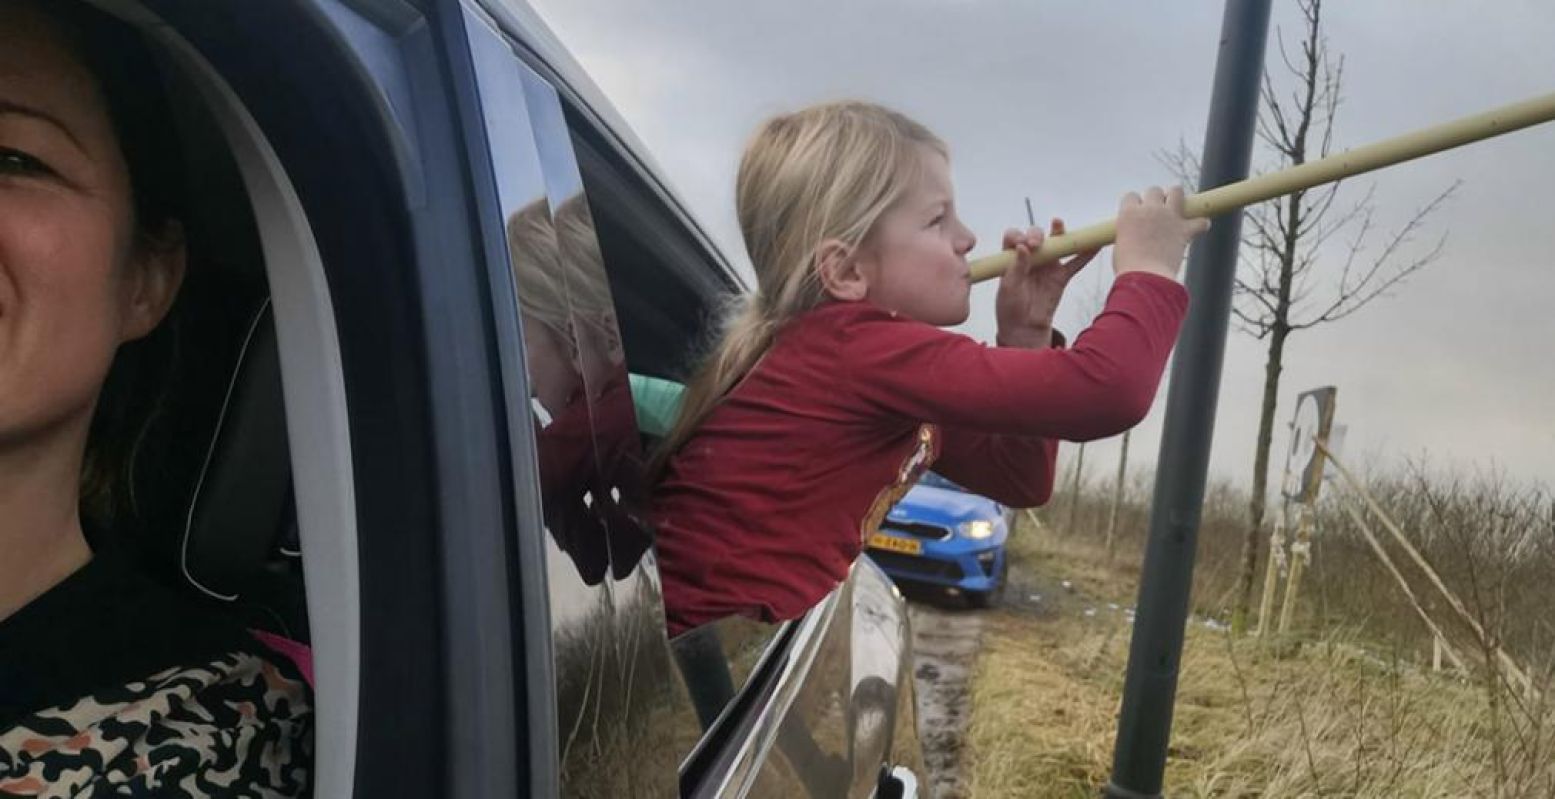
1074, 489
1291, 227
1271, 389
1117, 497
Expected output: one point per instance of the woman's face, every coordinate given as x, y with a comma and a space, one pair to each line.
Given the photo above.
74, 283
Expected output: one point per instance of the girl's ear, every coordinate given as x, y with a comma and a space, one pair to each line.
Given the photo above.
839, 271
156, 272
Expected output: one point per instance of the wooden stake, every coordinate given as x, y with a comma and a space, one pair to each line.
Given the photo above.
1271, 578
1300, 556
1436, 632
1485, 640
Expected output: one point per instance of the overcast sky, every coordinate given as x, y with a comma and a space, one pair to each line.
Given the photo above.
1070, 103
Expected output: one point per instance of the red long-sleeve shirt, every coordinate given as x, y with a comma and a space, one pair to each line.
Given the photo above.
763, 510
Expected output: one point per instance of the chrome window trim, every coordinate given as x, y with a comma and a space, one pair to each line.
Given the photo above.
740, 776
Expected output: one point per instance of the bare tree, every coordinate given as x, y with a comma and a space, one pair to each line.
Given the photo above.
1279, 289
1117, 498
1092, 305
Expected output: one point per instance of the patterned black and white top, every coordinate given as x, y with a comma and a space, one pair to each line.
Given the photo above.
112, 685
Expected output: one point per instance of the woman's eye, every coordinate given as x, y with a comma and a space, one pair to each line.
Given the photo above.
936, 221
16, 162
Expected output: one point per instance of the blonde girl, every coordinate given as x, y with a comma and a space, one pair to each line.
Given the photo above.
834, 387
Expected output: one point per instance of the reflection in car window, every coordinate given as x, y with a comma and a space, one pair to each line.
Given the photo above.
718, 658
616, 683
666, 284
586, 435
665, 287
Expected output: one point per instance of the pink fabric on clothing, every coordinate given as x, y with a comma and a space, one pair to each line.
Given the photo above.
299, 653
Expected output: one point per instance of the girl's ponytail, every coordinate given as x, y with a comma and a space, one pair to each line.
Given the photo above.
747, 336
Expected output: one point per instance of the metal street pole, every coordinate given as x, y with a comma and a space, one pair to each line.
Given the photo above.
1150, 687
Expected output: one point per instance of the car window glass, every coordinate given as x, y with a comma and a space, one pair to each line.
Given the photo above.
616, 683
647, 255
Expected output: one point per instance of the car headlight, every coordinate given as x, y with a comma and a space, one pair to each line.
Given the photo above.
977, 530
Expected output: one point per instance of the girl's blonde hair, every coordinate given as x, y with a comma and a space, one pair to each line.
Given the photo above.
825, 172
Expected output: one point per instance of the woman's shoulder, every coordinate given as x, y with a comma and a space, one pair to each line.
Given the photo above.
107, 623
111, 678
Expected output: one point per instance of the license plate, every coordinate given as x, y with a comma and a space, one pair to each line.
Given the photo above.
911, 546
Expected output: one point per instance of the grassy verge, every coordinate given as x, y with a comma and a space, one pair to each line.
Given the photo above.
1336, 716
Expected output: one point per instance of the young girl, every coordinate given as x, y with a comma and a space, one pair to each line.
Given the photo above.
834, 389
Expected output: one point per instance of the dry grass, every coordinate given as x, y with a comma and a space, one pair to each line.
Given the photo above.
1042, 720
1336, 716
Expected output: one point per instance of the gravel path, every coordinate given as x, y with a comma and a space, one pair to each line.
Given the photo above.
945, 646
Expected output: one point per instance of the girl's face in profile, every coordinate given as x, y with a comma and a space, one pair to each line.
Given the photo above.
915, 258
74, 284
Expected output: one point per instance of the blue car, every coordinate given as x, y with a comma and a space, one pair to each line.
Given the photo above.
940, 534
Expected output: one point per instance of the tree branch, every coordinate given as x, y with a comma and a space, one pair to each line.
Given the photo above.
1351, 297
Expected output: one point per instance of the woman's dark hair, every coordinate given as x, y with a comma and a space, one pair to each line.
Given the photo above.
133, 90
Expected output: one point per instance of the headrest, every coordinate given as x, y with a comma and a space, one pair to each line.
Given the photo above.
240, 516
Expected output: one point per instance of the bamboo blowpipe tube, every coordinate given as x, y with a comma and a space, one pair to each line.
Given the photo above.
1315, 173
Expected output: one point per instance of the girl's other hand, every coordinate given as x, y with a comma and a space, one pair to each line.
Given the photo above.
1029, 292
